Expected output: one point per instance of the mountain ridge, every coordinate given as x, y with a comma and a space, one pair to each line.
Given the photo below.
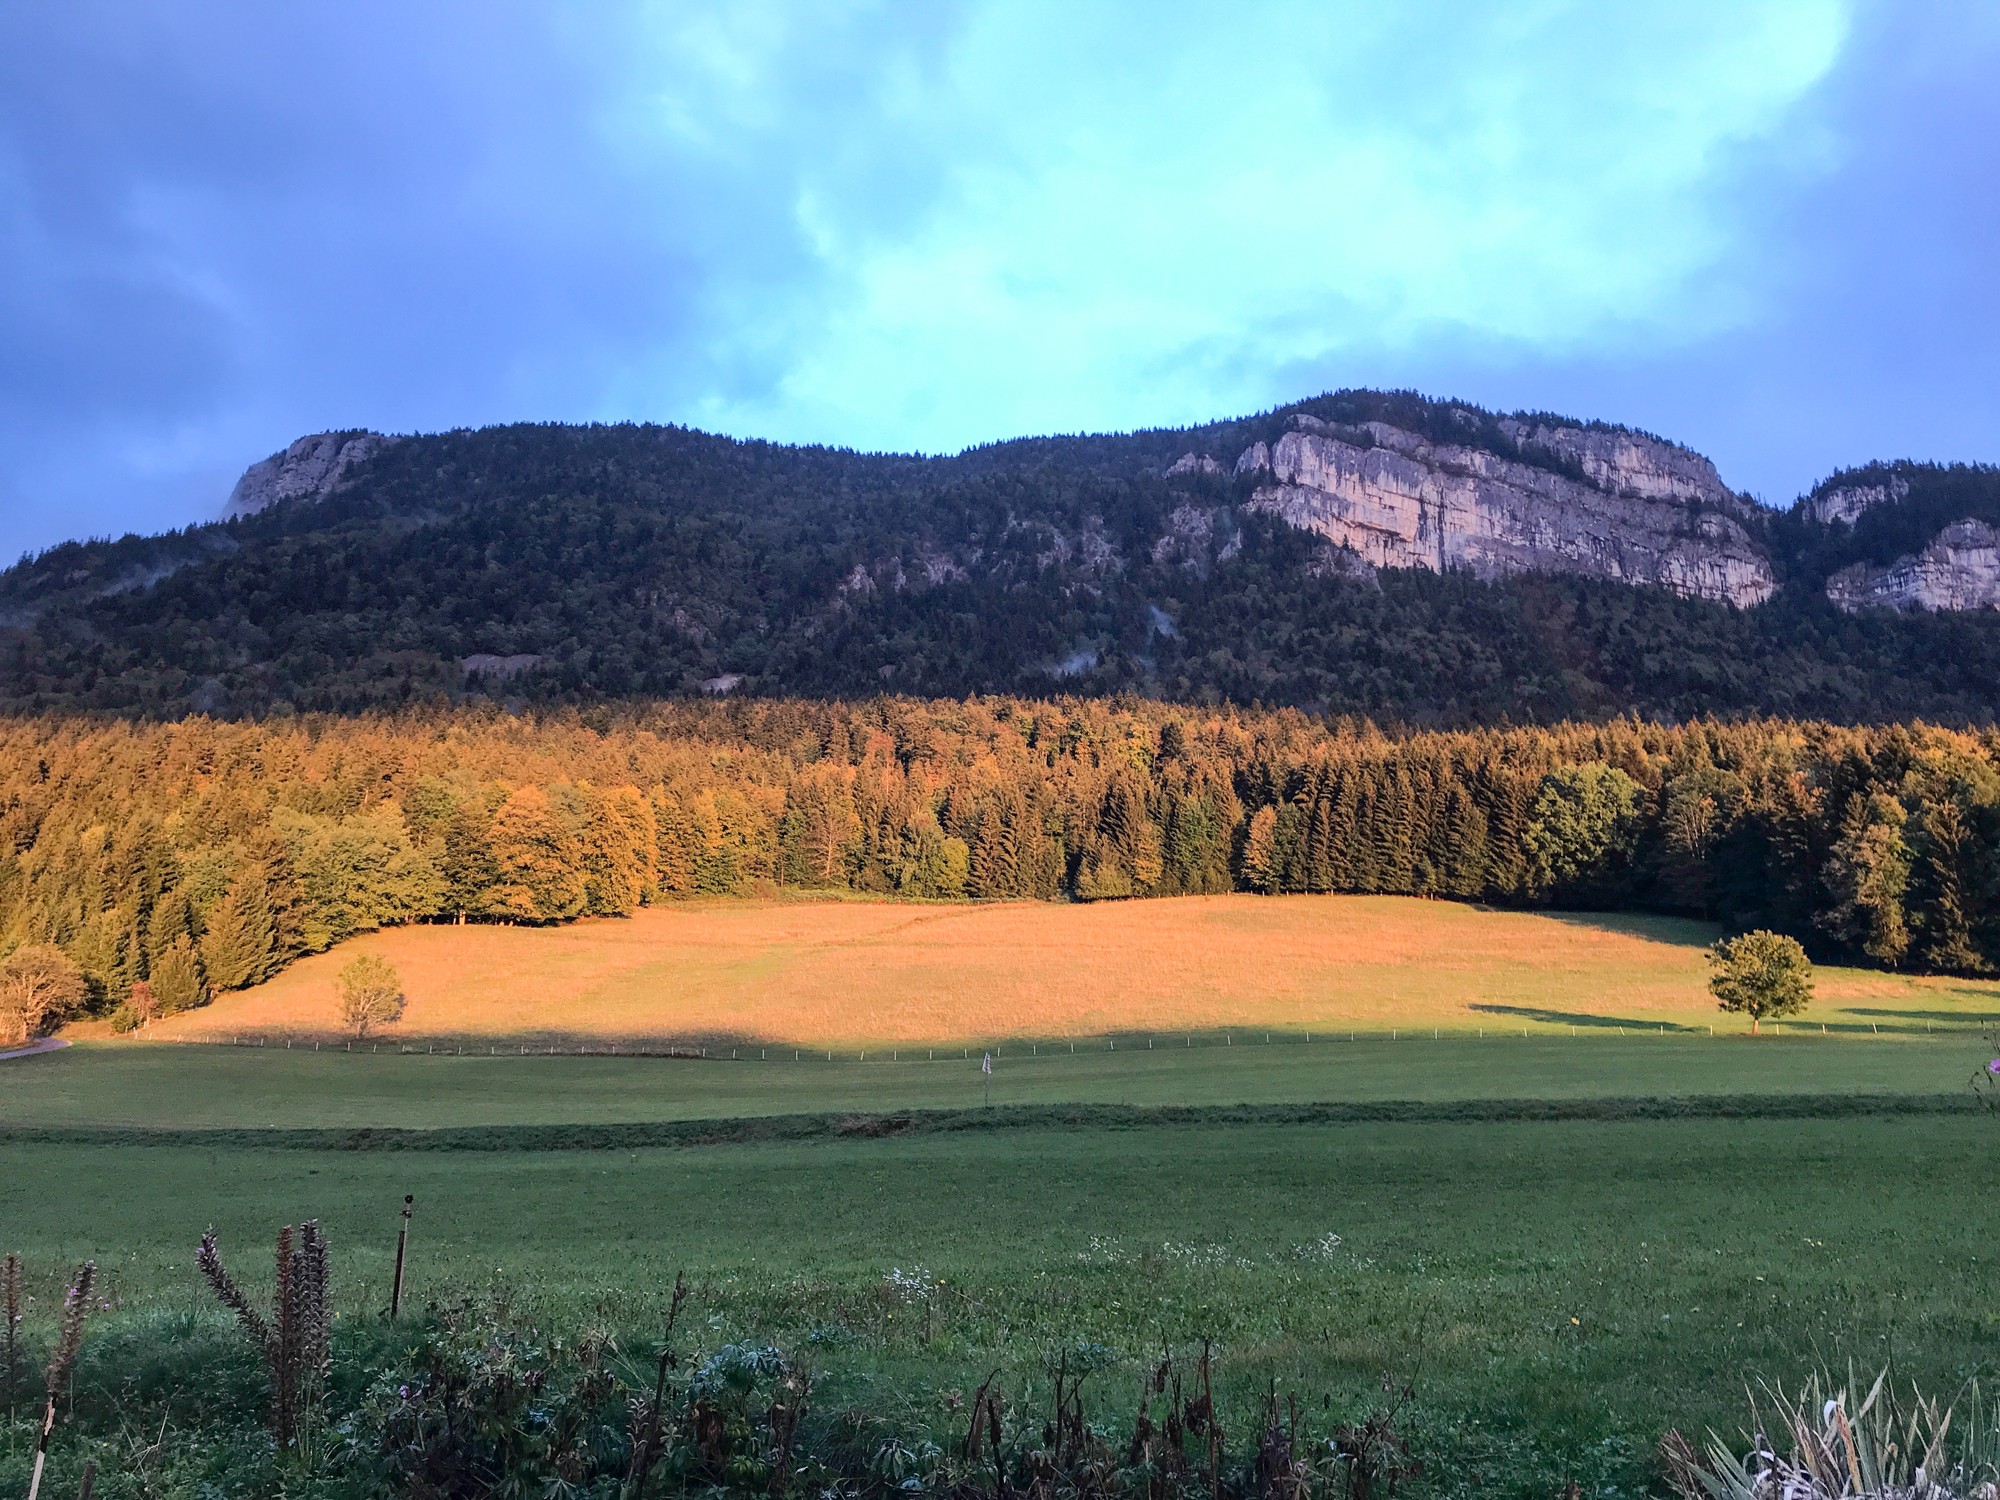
618, 561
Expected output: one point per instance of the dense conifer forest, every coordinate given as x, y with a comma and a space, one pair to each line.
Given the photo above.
183, 859
574, 565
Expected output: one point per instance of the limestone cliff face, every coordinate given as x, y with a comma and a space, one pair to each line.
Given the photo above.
1960, 569
311, 467
1643, 511
1831, 507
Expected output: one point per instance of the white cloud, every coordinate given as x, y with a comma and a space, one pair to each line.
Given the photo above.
1056, 216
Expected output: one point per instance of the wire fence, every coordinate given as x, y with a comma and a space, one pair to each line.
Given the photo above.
1016, 1048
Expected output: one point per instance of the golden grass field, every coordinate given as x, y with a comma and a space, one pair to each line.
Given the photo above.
860, 974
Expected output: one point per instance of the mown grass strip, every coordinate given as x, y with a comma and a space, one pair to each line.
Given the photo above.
853, 1126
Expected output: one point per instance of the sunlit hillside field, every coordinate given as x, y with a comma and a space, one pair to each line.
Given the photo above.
854, 974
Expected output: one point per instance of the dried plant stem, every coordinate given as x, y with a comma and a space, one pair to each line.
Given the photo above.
648, 1425
1214, 1428
284, 1347
62, 1363
11, 1372
788, 1409
208, 1259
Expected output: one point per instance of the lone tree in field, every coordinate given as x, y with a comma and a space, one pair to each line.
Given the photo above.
371, 996
1760, 974
40, 988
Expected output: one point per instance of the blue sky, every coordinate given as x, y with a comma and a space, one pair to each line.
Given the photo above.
1766, 228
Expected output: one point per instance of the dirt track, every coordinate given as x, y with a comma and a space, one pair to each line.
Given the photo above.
35, 1049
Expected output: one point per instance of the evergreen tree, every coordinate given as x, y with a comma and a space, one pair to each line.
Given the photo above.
1464, 868
996, 848
171, 921
676, 845
1508, 797
819, 828
1261, 871
1343, 833
1944, 923
239, 948
1318, 875
1867, 879
177, 978
1044, 856
1394, 832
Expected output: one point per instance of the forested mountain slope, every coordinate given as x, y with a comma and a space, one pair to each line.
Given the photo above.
1232, 562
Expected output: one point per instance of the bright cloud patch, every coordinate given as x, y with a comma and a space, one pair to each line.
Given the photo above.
1099, 220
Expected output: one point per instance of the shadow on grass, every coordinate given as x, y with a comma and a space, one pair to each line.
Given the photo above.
1579, 1019
1893, 1022
1679, 932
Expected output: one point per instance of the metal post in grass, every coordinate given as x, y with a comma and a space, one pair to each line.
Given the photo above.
402, 1247
986, 1068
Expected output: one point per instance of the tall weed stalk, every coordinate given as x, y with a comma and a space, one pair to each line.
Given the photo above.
62, 1363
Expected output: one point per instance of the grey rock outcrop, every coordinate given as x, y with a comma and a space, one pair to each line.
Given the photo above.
1627, 463
1960, 569
313, 466
1255, 459
1844, 505
1644, 511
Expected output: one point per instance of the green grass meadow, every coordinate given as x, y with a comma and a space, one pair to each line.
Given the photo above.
1558, 1292
273, 1086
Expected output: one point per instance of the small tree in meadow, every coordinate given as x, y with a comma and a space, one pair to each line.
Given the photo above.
371, 996
1760, 974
